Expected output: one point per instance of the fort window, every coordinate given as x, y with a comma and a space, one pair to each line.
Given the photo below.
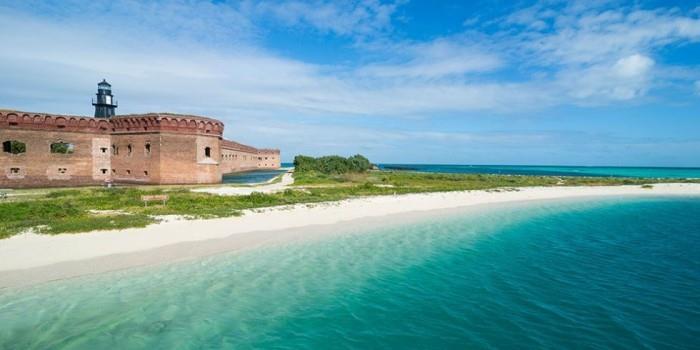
114, 171
60, 126
207, 152
62, 147
103, 149
14, 147
145, 172
14, 171
104, 171
128, 172
115, 150
128, 149
148, 148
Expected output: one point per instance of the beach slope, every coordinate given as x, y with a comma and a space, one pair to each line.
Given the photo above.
30, 258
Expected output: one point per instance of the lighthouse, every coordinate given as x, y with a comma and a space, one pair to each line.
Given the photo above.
105, 102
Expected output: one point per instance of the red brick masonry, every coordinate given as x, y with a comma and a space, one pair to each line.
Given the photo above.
153, 148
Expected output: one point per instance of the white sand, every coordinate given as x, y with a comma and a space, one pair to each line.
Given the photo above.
22, 254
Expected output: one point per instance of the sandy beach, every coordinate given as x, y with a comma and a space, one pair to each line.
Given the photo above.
30, 258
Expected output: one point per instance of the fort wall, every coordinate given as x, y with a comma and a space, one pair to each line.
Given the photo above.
42, 150
237, 157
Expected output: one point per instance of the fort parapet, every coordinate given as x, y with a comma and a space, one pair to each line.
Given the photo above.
42, 150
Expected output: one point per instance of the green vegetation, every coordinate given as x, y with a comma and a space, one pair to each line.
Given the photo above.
332, 164
62, 147
410, 182
14, 147
86, 209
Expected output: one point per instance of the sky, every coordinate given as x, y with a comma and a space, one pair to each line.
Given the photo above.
614, 83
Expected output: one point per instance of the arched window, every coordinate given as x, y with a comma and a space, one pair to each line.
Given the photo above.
129, 149
207, 152
115, 149
14, 147
62, 147
148, 148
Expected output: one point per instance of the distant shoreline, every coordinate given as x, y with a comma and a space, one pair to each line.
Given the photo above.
31, 259
551, 170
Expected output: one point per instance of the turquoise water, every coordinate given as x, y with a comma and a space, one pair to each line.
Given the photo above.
251, 177
647, 172
613, 273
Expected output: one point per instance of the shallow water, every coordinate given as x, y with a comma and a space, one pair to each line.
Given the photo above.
609, 273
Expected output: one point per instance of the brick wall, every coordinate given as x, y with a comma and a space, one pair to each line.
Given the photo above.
39, 167
236, 157
147, 149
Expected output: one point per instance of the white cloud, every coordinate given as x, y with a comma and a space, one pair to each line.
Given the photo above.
697, 87
627, 78
151, 73
206, 58
343, 18
435, 59
633, 66
598, 35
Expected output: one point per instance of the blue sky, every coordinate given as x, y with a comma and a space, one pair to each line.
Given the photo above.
475, 82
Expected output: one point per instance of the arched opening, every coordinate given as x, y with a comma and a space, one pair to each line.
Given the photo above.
62, 147
207, 152
148, 148
14, 147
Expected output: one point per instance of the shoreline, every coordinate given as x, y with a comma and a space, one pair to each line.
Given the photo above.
30, 259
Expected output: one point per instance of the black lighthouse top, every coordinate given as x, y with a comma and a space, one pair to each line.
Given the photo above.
105, 102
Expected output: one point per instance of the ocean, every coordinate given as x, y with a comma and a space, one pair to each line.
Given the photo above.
646, 172
618, 273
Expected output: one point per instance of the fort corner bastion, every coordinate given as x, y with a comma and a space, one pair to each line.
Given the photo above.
43, 150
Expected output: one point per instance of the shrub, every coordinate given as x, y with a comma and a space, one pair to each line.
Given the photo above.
332, 164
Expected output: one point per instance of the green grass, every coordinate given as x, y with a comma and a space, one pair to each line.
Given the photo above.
69, 210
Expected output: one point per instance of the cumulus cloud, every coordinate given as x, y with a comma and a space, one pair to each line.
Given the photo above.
633, 66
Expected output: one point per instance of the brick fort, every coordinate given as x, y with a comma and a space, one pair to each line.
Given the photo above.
43, 150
